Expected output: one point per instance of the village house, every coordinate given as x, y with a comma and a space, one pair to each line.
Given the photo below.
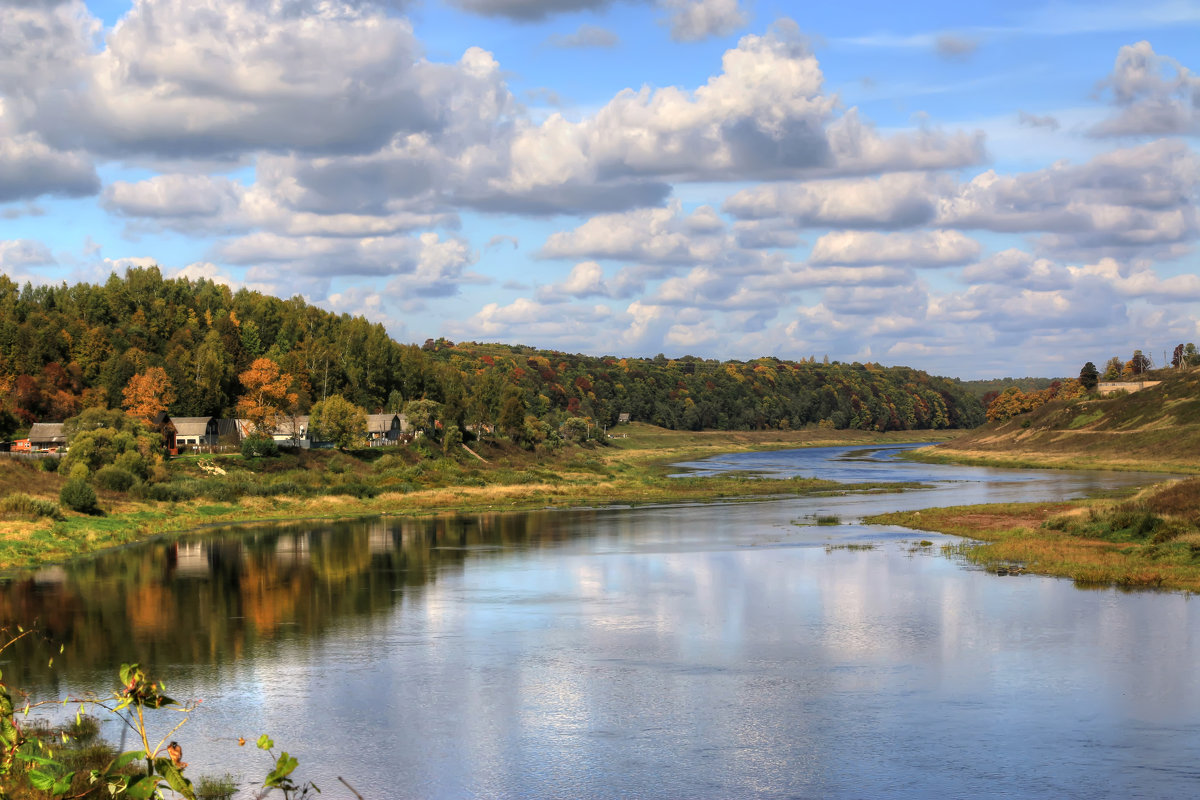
195, 430
384, 429
44, 437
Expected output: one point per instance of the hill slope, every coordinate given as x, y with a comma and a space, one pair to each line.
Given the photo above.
1157, 428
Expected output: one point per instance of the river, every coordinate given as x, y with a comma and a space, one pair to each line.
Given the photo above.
695, 651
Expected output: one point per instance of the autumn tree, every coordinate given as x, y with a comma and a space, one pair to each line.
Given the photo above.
267, 397
149, 393
1113, 369
1140, 363
337, 420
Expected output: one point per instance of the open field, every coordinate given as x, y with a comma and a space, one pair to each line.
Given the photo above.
413, 480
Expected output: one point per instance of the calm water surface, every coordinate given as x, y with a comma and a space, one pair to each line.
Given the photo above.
702, 651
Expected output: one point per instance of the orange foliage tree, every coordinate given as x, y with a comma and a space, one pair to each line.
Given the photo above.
266, 397
1012, 401
148, 393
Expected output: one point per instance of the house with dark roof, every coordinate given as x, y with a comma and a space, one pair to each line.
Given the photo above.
384, 429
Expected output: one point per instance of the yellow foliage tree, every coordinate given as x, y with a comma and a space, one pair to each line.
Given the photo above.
267, 398
148, 393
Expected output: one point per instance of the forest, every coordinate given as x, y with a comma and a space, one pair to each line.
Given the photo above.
64, 348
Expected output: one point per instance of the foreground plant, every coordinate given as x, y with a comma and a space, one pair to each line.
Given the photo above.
136, 774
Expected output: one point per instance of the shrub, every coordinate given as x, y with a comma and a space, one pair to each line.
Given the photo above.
223, 490
23, 505
259, 447
78, 496
49, 464
390, 461
134, 463
114, 479
173, 492
359, 490
276, 489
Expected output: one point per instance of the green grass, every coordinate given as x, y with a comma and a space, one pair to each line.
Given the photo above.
1149, 541
214, 511
221, 787
1086, 419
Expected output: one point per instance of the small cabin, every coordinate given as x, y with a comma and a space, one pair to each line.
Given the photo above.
383, 429
44, 437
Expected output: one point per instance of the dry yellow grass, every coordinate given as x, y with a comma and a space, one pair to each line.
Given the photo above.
1015, 533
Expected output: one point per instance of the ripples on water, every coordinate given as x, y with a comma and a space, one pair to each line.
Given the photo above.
704, 651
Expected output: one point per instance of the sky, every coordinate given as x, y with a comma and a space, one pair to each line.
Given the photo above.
973, 189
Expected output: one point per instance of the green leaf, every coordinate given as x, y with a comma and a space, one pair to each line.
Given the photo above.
284, 766
124, 760
63, 784
45, 762
265, 743
143, 788
175, 779
41, 780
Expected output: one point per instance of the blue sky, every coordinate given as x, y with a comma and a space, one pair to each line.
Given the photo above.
976, 190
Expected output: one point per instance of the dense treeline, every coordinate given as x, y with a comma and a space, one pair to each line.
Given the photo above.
64, 348
987, 389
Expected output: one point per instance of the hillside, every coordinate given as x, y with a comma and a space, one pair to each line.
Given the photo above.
65, 348
982, 388
1157, 428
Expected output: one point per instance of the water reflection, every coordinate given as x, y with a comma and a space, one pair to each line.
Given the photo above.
213, 598
704, 651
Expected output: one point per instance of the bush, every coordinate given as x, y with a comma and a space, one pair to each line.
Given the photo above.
259, 447
114, 479
49, 464
277, 489
173, 492
78, 496
223, 490
359, 490
23, 505
132, 462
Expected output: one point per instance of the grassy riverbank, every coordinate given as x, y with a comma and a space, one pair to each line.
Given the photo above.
1156, 429
415, 479
1148, 541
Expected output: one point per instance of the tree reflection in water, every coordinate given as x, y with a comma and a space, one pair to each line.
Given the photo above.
220, 596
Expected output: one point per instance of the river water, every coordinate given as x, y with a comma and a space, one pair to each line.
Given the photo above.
695, 651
